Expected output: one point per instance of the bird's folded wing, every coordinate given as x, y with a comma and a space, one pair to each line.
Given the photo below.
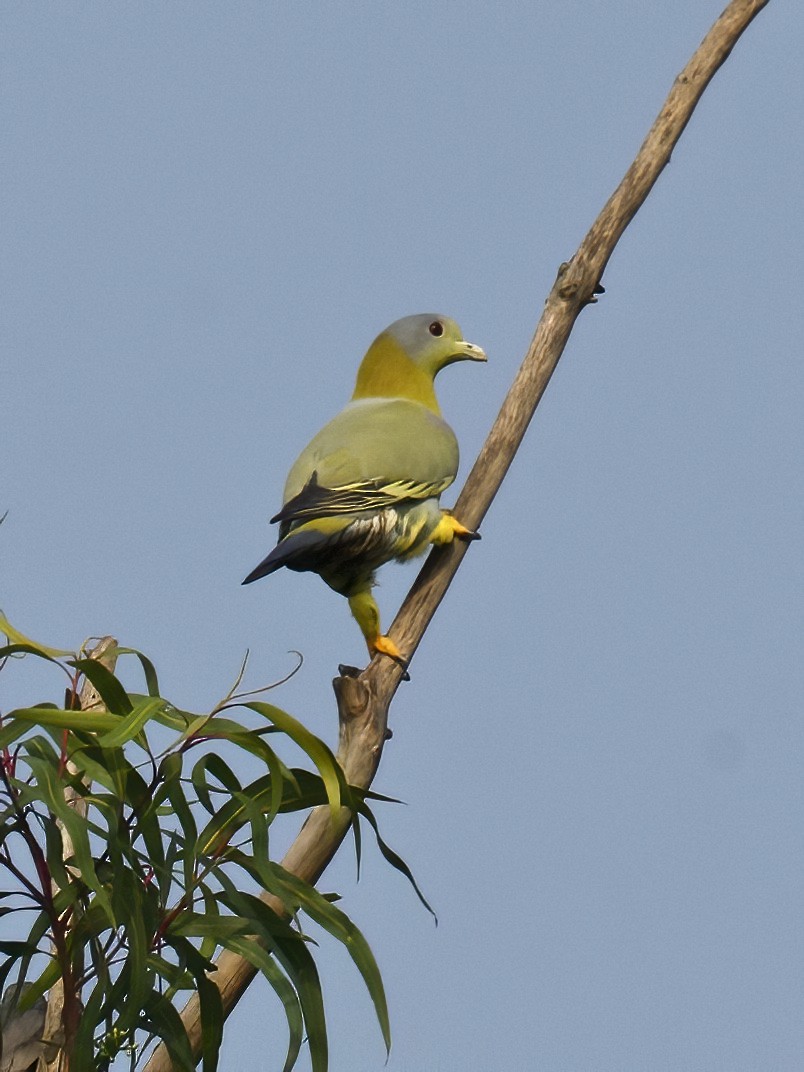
315, 500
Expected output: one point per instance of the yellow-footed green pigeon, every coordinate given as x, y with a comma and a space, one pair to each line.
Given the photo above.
366, 488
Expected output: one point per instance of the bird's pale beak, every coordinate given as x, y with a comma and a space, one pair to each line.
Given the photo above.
469, 352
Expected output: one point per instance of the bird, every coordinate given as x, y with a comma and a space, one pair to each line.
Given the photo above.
365, 490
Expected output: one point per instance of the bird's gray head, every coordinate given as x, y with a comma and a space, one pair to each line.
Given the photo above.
432, 341
403, 360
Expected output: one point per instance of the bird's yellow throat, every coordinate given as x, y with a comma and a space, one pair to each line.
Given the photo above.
387, 372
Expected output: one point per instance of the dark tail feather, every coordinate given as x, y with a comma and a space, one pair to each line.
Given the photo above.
268, 565
300, 550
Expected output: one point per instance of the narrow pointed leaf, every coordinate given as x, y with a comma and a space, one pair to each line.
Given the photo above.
131, 725
160, 1016
321, 755
16, 637
338, 924
12, 730
94, 721
148, 669
109, 688
211, 1007
394, 859
302, 972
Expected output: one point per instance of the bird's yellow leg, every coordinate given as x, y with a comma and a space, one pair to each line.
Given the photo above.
448, 528
367, 615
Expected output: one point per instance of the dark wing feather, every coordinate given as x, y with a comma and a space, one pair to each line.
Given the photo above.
314, 500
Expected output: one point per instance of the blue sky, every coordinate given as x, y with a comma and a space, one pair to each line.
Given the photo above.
209, 212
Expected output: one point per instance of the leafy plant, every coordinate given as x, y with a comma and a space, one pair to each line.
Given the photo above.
134, 854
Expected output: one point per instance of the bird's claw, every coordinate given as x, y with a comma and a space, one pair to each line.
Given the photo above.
383, 645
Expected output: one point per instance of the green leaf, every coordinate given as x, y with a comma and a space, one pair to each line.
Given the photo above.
16, 949
201, 786
93, 721
146, 826
173, 853
298, 963
211, 1008
189, 924
129, 727
148, 669
227, 820
84, 1053
302, 789
356, 832
47, 978
18, 638
133, 985
51, 791
214, 765
293, 1013
394, 859
286, 993
293, 890
159, 1016
54, 848
184, 814
175, 975
90, 925
307, 1010
295, 790
170, 715
249, 740
109, 688
93, 765
329, 768
141, 822
11, 731
275, 785
39, 928
259, 826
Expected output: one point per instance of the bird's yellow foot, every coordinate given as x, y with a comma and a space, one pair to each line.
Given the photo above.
463, 533
367, 616
449, 527
383, 645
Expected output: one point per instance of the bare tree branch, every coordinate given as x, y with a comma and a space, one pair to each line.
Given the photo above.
364, 700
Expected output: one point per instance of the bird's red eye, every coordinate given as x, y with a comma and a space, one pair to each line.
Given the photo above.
436, 328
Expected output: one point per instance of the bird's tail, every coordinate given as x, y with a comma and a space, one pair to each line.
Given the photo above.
269, 564
304, 548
